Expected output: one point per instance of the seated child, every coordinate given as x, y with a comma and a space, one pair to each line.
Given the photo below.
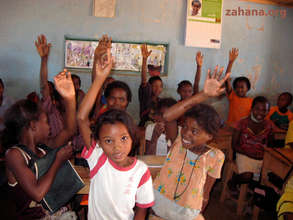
78, 92
250, 137
239, 103
280, 115
27, 125
121, 186
5, 103
185, 89
184, 183
149, 91
157, 135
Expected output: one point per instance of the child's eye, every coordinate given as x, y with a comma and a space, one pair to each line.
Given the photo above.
195, 132
108, 141
124, 138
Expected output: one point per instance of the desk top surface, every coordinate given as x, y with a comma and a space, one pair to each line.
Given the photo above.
281, 153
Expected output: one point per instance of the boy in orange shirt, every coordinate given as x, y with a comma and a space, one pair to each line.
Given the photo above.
239, 103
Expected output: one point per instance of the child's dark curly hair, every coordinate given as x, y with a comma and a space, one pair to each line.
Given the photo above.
206, 117
260, 99
120, 85
241, 79
113, 116
290, 97
153, 79
17, 117
166, 103
183, 83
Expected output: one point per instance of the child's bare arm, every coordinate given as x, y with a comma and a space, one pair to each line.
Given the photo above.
140, 213
145, 54
35, 189
233, 54
102, 71
210, 181
199, 61
43, 49
235, 142
212, 88
65, 87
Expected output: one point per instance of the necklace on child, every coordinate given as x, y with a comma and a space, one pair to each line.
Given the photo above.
176, 196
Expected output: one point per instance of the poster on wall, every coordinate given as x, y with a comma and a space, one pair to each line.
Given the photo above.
104, 8
204, 23
79, 54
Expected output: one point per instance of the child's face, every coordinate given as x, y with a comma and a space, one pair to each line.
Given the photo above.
193, 135
260, 111
185, 92
42, 128
116, 142
241, 88
117, 99
157, 88
283, 101
195, 8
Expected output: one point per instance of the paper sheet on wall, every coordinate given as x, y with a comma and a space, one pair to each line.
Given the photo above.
104, 8
204, 23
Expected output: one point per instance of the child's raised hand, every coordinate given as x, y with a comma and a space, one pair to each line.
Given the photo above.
104, 66
199, 58
42, 46
101, 50
233, 54
144, 51
158, 130
64, 84
213, 86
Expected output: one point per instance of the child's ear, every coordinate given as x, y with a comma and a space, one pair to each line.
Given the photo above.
210, 137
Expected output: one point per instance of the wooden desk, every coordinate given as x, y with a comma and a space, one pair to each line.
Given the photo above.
276, 160
154, 163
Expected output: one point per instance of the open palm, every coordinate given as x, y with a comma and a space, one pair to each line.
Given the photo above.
64, 84
42, 46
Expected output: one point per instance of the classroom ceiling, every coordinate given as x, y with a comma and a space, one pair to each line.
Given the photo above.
284, 3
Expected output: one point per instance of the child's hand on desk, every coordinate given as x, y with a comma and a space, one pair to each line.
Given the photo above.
144, 51
213, 86
199, 58
42, 46
65, 153
233, 54
64, 84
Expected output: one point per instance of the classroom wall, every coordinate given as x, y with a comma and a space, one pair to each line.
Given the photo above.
265, 42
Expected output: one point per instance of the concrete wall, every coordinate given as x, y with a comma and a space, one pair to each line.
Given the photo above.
265, 43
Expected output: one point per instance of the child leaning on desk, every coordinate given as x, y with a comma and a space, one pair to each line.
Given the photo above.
119, 183
184, 183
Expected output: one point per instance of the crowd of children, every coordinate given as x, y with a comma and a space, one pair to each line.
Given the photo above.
121, 186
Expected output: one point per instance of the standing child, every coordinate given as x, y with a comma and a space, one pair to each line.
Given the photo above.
239, 103
250, 137
280, 115
119, 183
184, 183
78, 92
185, 89
149, 91
27, 125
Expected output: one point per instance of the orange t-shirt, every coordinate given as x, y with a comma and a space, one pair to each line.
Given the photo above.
239, 107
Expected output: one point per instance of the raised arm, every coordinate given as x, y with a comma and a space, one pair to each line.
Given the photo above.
34, 188
102, 71
65, 87
212, 88
199, 61
145, 54
233, 54
43, 49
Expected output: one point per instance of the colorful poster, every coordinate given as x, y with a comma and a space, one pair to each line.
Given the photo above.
204, 23
80, 54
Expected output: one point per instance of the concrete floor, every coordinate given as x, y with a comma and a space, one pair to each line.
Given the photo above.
227, 210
